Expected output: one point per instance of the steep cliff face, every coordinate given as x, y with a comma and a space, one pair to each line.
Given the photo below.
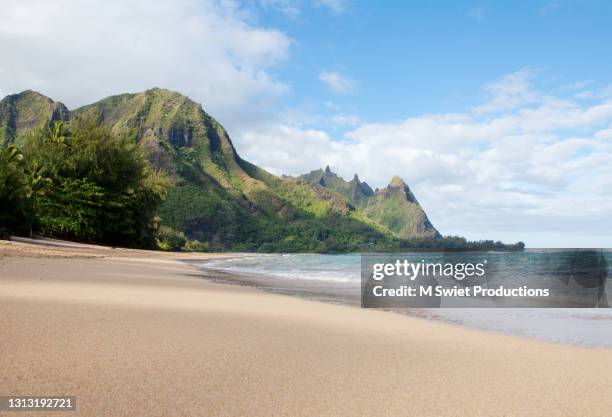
24, 111
355, 191
394, 207
175, 129
397, 208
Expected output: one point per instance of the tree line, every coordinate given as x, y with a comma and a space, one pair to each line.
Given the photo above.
81, 181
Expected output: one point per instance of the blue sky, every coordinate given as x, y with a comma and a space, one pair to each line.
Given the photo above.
419, 57
497, 114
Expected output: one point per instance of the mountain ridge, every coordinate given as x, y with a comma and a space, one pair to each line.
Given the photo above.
354, 190
224, 200
394, 207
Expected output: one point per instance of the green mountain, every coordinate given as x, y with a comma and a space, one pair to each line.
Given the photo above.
26, 110
218, 197
355, 191
227, 202
397, 208
393, 207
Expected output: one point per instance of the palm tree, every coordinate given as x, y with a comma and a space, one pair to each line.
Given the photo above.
35, 180
12, 185
57, 133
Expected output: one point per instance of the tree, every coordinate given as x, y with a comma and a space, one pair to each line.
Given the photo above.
13, 199
88, 183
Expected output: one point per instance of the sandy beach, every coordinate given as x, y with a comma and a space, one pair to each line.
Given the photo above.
137, 333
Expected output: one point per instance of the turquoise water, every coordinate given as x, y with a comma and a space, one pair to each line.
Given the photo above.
322, 277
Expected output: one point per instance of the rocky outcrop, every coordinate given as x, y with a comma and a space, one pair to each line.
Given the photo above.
355, 190
395, 207
26, 110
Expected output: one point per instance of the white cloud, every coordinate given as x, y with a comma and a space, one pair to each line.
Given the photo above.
337, 82
285, 149
509, 92
604, 134
529, 167
80, 51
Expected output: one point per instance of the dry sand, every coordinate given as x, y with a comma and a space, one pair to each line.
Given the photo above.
132, 333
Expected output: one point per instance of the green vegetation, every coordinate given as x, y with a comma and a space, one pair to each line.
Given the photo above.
14, 200
154, 170
355, 191
396, 207
84, 183
208, 217
21, 112
393, 208
170, 239
201, 214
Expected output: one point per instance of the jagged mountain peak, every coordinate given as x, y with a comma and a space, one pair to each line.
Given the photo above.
399, 186
26, 110
394, 206
396, 181
355, 191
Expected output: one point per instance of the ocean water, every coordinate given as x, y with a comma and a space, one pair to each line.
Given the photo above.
336, 278
313, 267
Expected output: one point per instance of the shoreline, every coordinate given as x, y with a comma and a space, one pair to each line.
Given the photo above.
310, 290
130, 335
572, 327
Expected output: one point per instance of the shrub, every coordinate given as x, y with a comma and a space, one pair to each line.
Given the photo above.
195, 246
170, 239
